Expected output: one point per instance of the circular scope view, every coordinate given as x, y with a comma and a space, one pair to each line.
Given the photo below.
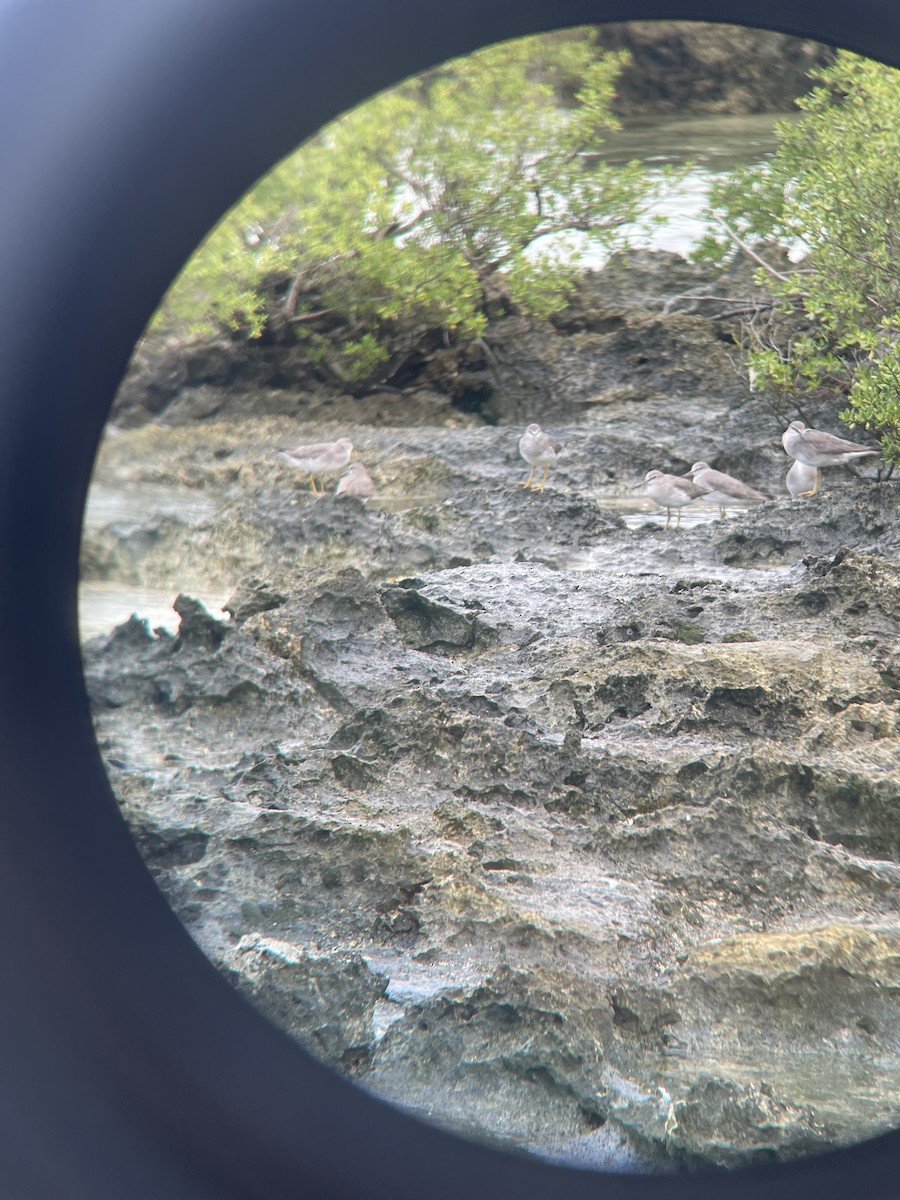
490, 596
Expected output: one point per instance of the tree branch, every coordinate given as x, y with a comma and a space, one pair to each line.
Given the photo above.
491, 359
289, 304
742, 245
298, 319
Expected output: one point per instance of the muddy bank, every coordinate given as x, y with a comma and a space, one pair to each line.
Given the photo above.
549, 823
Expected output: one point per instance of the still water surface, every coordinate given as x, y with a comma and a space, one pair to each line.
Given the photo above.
713, 144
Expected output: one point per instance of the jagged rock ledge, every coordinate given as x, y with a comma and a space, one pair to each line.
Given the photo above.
598, 864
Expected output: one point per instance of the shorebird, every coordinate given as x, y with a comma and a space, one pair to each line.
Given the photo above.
816, 449
319, 458
802, 479
356, 481
723, 489
672, 491
538, 449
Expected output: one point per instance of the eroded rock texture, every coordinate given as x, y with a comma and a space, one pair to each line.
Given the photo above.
546, 853
569, 832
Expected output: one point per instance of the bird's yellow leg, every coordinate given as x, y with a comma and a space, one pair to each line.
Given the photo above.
721, 512
668, 518
678, 522
527, 482
815, 486
540, 487
312, 485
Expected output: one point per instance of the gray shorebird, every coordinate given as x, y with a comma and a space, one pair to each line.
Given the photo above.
356, 481
672, 491
724, 489
538, 449
319, 458
816, 449
802, 479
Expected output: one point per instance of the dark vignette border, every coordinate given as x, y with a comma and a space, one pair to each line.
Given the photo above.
128, 1068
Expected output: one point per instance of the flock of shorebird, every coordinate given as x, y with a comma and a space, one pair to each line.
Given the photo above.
809, 448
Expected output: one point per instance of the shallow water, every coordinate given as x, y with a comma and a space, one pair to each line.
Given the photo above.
104, 604
641, 510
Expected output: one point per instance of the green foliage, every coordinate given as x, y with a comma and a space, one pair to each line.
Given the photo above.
832, 190
423, 210
875, 401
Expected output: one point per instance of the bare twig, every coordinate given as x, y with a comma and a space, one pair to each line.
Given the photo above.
745, 307
667, 307
742, 245
299, 318
289, 305
751, 310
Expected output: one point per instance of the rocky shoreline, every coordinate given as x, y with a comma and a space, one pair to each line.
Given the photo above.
563, 829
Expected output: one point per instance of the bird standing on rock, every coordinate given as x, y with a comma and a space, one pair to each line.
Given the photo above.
538, 449
817, 449
319, 458
724, 489
672, 491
